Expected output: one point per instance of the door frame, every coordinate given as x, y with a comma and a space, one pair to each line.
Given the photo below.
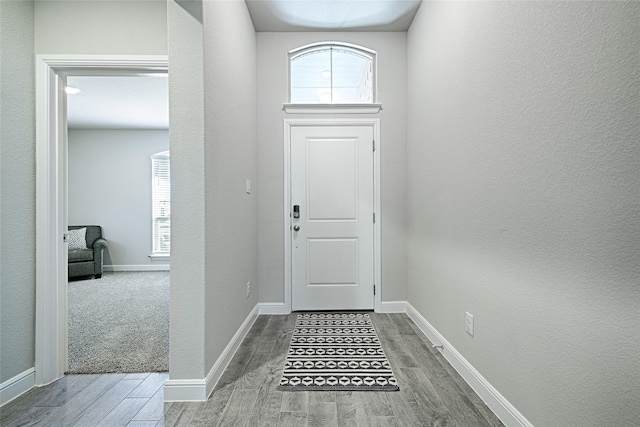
377, 255
51, 327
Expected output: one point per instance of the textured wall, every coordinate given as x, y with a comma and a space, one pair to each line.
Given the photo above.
186, 141
17, 189
230, 156
272, 93
523, 178
101, 27
110, 186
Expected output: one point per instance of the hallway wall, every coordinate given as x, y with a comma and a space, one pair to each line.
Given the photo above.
523, 178
17, 192
272, 81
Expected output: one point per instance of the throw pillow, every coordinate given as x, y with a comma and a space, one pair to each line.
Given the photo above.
77, 239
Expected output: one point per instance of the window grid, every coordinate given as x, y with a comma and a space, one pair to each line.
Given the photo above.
353, 87
161, 203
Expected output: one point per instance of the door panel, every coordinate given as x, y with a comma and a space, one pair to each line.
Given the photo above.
332, 240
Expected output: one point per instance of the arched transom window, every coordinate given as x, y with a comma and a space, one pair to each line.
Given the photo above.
332, 73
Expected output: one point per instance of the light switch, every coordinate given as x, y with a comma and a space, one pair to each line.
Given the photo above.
247, 186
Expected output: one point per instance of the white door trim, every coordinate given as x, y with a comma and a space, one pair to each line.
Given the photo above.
51, 184
288, 124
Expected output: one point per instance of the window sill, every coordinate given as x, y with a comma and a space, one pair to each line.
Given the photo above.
332, 108
160, 257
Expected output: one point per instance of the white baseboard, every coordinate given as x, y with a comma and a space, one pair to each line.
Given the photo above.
144, 267
393, 307
273, 308
385, 307
17, 385
500, 406
193, 390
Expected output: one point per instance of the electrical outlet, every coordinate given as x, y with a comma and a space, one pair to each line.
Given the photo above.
468, 323
248, 289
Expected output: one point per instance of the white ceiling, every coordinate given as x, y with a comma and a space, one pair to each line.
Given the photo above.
332, 15
142, 102
119, 102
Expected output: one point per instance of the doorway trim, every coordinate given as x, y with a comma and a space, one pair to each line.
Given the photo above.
377, 255
51, 185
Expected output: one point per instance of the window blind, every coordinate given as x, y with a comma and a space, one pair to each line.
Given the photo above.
161, 203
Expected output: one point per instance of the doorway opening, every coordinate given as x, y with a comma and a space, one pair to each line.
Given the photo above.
52, 216
118, 189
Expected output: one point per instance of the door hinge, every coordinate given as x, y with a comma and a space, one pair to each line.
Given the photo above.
65, 237
374, 217
374, 145
374, 289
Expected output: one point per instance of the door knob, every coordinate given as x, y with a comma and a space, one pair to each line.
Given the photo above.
296, 227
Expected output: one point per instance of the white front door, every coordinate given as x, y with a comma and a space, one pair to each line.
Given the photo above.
333, 238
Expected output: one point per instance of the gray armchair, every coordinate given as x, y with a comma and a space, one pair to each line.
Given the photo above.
88, 262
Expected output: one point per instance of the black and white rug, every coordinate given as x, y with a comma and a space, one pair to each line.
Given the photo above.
336, 351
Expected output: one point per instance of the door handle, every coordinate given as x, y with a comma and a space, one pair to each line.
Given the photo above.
296, 227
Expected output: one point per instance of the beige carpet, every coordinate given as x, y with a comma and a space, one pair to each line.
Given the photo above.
119, 323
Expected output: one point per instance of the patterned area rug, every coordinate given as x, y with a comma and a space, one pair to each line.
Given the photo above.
336, 351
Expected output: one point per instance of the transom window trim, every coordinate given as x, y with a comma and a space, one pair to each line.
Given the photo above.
364, 102
161, 203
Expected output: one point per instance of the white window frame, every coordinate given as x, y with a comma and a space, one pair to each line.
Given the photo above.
355, 108
157, 251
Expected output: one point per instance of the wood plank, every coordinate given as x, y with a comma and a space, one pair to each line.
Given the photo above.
394, 348
381, 422
124, 412
323, 414
100, 408
459, 406
142, 424
423, 357
255, 371
180, 414
74, 406
373, 404
36, 416
401, 323
407, 410
211, 411
424, 391
136, 376
347, 409
150, 385
293, 419
266, 411
322, 396
258, 326
153, 409
295, 401
238, 363
19, 406
65, 389
431, 393
239, 408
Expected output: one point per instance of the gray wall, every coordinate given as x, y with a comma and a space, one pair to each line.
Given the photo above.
110, 185
212, 139
17, 189
230, 156
101, 27
188, 234
272, 93
523, 178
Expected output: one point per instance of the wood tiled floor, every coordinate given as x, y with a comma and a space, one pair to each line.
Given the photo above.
431, 392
